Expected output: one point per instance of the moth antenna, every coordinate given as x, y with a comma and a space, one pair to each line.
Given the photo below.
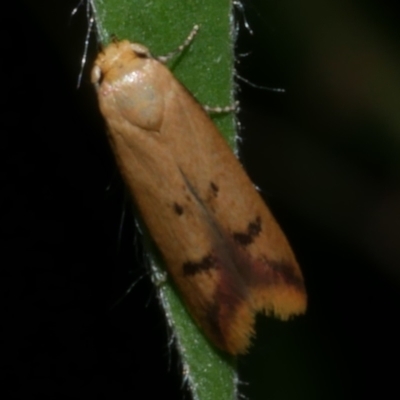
182, 47
272, 89
75, 10
121, 222
240, 7
88, 33
127, 291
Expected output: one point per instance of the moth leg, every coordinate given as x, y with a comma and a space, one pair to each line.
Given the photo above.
222, 110
182, 47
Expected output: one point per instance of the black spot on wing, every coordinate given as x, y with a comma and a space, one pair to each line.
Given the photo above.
178, 209
253, 230
205, 264
214, 189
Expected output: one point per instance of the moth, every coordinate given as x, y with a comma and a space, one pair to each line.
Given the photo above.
222, 247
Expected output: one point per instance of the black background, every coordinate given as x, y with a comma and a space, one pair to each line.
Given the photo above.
66, 259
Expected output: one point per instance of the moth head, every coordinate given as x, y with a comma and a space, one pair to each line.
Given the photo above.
112, 62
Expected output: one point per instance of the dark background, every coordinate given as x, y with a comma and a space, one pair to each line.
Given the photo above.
325, 155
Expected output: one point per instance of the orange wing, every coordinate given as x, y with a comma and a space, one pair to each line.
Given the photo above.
224, 250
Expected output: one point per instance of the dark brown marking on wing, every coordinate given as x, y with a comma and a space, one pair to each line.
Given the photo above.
266, 272
205, 264
253, 230
214, 188
178, 209
238, 274
287, 273
230, 294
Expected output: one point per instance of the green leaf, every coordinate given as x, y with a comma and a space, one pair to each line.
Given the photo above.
206, 69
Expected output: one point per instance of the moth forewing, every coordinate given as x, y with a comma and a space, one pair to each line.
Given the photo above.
223, 249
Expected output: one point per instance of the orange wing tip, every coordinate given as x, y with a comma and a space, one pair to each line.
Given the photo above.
273, 288
283, 304
239, 332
